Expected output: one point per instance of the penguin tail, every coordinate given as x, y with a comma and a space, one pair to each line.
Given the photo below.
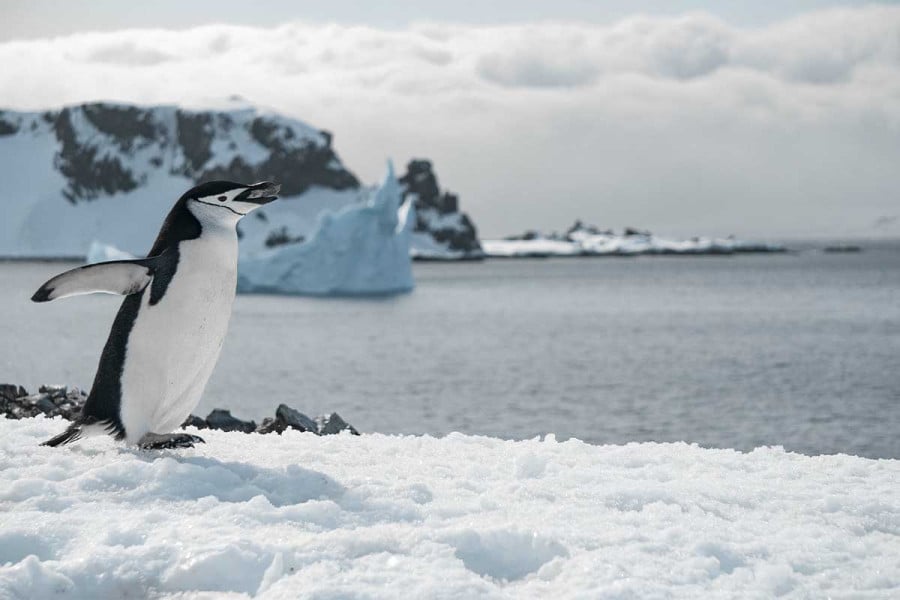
72, 433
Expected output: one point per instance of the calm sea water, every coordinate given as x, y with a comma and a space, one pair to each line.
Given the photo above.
800, 350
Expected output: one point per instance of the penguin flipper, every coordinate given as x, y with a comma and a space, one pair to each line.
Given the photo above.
116, 277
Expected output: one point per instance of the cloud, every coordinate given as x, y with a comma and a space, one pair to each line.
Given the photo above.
681, 123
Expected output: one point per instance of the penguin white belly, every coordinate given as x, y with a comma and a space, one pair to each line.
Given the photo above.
174, 344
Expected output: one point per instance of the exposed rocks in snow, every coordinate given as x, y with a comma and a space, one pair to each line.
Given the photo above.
442, 232
62, 401
588, 240
104, 163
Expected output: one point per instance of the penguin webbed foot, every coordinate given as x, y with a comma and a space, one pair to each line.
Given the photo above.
157, 441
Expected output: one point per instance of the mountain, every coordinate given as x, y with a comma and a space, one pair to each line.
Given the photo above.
110, 172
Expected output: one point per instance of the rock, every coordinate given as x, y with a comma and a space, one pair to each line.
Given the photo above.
195, 421
60, 400
435, 209
295, 419
54, 390
333, 423
270, 425
223, 420
9, 391
46, 406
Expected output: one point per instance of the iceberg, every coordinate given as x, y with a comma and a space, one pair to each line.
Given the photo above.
100, 252
362, 249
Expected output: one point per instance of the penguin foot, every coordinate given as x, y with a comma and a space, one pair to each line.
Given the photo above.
156, 441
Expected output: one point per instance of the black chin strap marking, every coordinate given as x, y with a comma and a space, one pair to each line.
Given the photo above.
240, 214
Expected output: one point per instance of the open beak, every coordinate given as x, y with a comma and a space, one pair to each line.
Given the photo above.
260, 193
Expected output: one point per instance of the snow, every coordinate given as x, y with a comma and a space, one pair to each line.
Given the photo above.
299, 515
361, 249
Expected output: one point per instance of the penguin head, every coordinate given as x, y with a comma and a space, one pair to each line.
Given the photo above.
226, 200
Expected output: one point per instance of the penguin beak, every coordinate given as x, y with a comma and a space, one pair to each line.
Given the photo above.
260, 193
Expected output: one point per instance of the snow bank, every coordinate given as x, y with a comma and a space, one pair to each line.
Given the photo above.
360, 249
380, 516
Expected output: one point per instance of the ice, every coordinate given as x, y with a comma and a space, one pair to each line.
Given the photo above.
100, 252
362, 249
298, 515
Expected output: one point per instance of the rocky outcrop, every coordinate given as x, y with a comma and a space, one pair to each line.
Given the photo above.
443, 231
62, 401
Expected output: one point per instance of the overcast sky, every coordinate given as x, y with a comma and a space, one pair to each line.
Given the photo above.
766, 119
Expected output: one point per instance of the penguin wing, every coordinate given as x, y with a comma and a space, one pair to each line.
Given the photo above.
116, 277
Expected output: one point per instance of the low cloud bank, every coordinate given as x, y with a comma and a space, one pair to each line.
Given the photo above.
683, 124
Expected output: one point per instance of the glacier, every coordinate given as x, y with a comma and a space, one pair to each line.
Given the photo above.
377, 516
361, 249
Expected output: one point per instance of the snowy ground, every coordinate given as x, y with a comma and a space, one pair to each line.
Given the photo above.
458, 517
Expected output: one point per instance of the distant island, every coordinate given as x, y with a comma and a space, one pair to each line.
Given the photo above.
588, 240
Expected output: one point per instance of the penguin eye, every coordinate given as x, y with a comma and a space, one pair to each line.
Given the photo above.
223, 198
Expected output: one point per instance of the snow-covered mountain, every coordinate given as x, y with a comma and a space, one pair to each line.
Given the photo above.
110, 172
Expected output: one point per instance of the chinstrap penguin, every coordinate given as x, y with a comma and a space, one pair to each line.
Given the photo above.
167, 335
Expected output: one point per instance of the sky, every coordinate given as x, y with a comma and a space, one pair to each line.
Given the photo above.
684, 117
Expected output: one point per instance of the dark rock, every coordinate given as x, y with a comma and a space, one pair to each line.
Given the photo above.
223, 420
635, 231
88, 171
195, 421
333, 423
195, 135
9, 392
58, 400
128, 126
281, 237
7, 127
270, 425
295, 419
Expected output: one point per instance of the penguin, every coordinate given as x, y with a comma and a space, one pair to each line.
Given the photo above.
167, 335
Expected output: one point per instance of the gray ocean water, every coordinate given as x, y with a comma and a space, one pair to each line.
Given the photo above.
800, 350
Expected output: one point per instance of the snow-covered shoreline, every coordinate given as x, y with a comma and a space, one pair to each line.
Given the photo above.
377, 516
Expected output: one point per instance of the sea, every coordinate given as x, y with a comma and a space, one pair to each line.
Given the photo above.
799, 350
